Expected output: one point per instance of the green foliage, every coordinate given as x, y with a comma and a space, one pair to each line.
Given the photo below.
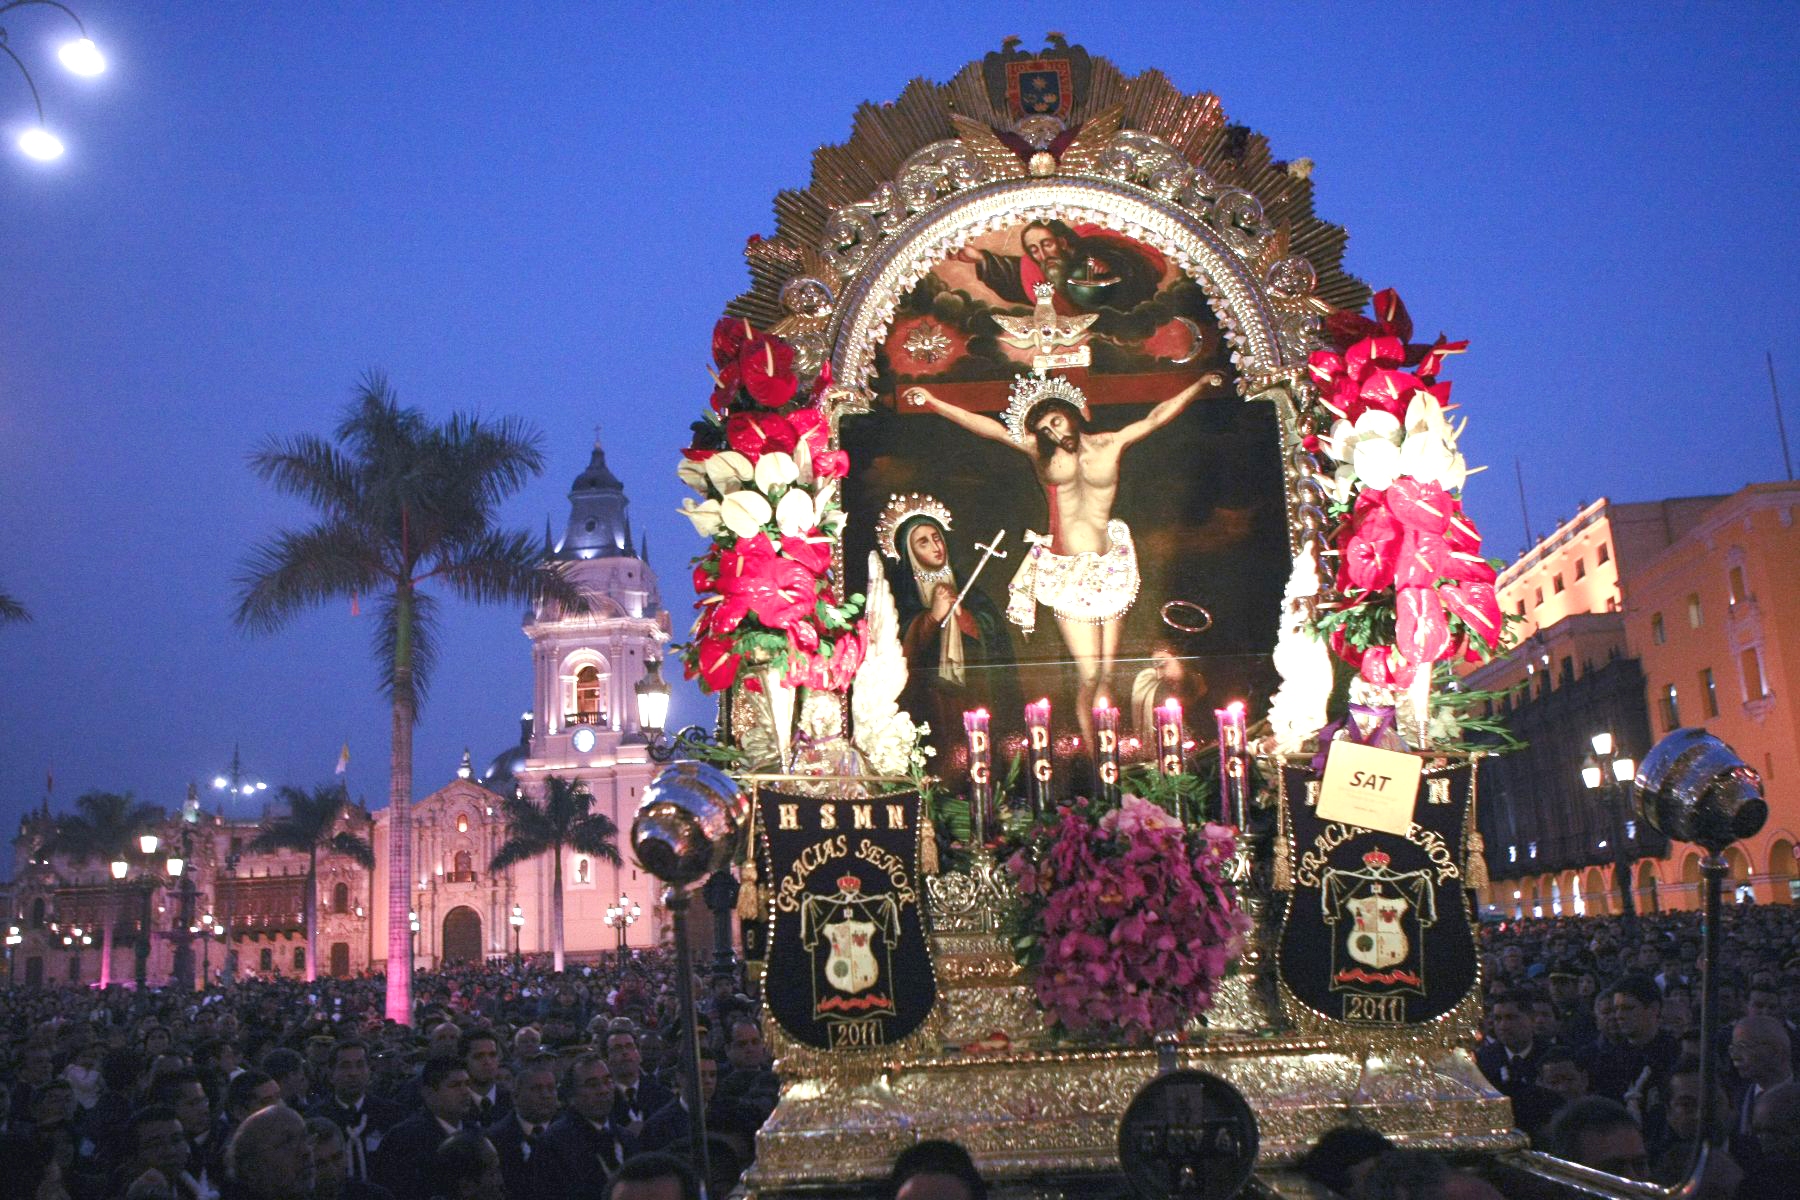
309, 826
104, 827
562, 820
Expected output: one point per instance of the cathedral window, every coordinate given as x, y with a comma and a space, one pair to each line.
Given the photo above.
340, 898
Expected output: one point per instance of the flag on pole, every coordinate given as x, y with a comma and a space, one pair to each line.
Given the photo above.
343, 763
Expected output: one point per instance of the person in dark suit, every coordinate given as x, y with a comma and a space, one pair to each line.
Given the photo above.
402, 1163
479, 1050
519, 1136
331, 1165
364, 1118
587, 1147
638, 1095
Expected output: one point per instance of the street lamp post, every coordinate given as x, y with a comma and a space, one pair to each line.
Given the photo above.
720, 891
412, 935
181, 867
14, 938
518, 928
80, 56
147, 844
1605, 770
620, 917
228, 894
235, 781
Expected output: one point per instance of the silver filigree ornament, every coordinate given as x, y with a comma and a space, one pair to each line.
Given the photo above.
1039, 131
1291, 278
807, 297
927, 342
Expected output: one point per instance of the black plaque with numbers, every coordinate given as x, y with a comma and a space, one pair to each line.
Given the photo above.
1379, 929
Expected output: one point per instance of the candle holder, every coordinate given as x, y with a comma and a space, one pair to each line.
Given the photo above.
1106, 751
1037, 749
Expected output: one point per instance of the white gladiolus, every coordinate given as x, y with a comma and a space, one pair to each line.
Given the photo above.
728, 471
706, 517
745, 512
794, 514
693, 474
775, 470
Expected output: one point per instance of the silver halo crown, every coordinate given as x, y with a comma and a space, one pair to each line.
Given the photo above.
901, 508
1029, 391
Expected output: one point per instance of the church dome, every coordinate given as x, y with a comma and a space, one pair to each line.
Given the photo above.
599, 518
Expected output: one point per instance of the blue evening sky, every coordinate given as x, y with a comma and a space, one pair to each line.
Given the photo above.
539, 209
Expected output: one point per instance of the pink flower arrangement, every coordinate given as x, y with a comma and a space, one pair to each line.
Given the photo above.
1127, 917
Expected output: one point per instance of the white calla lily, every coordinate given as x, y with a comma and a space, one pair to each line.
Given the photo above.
728, 471
693, 474
1377, 462
1426, 457
803, 463
706, 517
745, 512
1425, 415
775, 469
794, 514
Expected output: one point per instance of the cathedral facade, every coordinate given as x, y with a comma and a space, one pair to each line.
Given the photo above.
243, 910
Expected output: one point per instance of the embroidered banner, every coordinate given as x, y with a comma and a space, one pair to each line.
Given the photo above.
848, 966
1378, 927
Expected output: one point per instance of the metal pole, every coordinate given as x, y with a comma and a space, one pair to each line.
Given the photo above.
143, 943
1621, 861
677, 902
1780, 425
1712, 876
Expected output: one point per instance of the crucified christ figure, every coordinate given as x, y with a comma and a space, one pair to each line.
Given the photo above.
1086, 569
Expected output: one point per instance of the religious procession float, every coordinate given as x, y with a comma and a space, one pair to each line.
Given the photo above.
1087, 564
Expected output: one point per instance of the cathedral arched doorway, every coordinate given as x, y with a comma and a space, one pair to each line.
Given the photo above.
462, 935
340, 960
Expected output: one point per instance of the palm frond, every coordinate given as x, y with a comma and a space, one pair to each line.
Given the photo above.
310, 468
597, 835
514, 852
498, 565
353, 848
104, 825
294, 571
499, 455
11, 610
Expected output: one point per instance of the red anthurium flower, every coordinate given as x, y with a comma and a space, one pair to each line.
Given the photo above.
1391, 314
767, 364
1341, 647
1422, 627
1421, 506
693, 455
785, 595
716, 664
831, 464
754, 433
1325, 366
1423, 558
1478, 607
727, 387
803, 636
1371, 353
810, 424
1433, 360
1385, 666
811, 550
1464, 539
1371, 552
1469, 568
822, 384
1390, 391
729, 336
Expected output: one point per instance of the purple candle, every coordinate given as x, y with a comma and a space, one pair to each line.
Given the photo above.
1037, 749
1168, 737
1106, 750
981, 773
1234, 764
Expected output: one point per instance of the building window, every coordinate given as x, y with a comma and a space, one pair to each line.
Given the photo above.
587, 695
1693, 610
1581, 568
1739, 592
1566, 672
340, 898
1556, 584
266, 959
299, 958
1538, 600
462, 822
1750, 665
1605, 555
1658, 634
1521, 608
1671, 711
1709, 693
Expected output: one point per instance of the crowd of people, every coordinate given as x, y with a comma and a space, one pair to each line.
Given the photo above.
511, 1081
514, 1081
1592, 1029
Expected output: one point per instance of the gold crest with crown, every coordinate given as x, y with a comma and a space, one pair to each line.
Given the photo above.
1029, 391
901, 508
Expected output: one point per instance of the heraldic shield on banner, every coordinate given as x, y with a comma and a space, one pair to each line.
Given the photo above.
1378, 927
849, 965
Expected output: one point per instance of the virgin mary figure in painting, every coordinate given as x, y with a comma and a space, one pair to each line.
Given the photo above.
958, 656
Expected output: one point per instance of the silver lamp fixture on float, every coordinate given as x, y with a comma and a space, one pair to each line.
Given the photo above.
688, 827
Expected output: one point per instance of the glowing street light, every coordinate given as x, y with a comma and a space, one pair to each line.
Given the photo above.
80, 57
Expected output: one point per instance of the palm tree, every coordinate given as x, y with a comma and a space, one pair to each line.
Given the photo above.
104, 826
11, 610
561, 821
310, 826
402, 502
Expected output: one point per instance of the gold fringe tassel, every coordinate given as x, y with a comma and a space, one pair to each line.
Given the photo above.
1478, 872
750, 897
928, 856
1283, 880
